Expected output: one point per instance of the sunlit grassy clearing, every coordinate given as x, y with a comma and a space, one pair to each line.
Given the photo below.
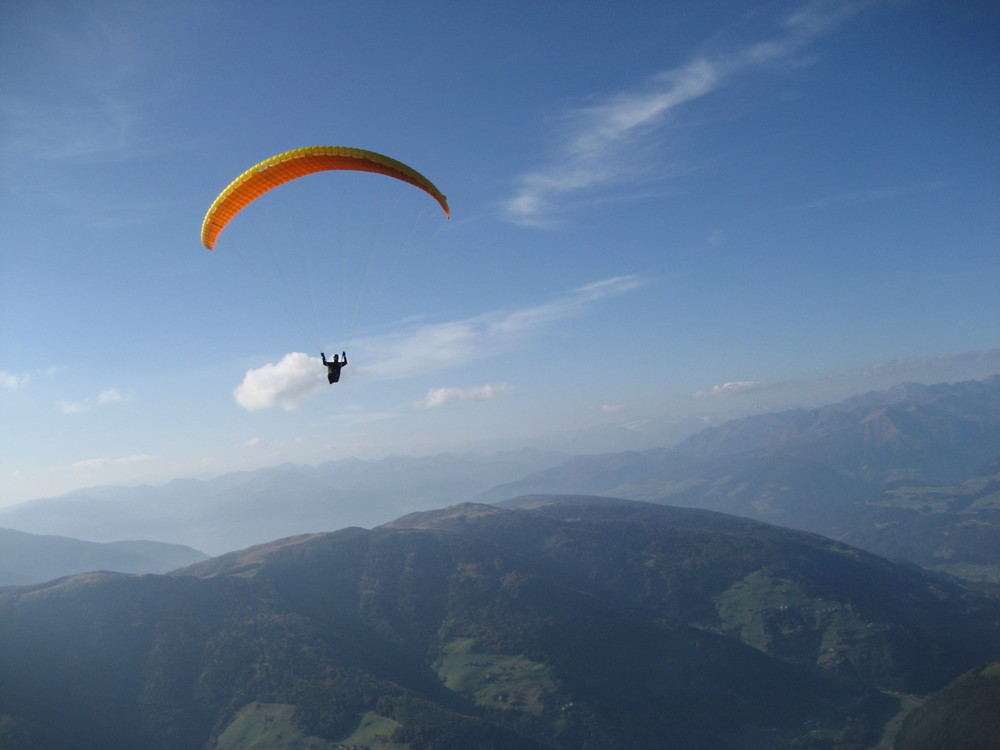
269, 726
499, 681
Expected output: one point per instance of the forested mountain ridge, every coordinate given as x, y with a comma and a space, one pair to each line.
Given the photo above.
562, 623
965, 715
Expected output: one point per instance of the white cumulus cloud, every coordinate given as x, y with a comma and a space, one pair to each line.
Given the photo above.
11, 381
443, 396
74, 407
421, 348
108, 396
735, 389
635, 424
286, 384
111, 395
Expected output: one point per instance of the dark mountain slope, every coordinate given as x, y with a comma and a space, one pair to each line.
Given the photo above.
469, 602
158, 662
963, 716
790, 593
563, 624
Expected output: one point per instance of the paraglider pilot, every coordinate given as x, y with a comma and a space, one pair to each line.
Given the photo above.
333, 368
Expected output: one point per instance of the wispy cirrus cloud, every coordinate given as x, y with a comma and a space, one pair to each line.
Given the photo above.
88, 56
443, 396
102, 127
615, 141
423, 348
873, 195
89, 100
434, 347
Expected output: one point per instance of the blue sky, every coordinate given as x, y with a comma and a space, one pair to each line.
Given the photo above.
663, 215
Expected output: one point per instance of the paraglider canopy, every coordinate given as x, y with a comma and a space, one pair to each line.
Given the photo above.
299, 162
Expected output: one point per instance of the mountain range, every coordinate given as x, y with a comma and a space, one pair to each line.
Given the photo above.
551, 622
237, 510
910, 433
912, 473
32, 558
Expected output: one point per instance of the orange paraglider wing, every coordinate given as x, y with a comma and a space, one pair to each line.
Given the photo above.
299, 162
